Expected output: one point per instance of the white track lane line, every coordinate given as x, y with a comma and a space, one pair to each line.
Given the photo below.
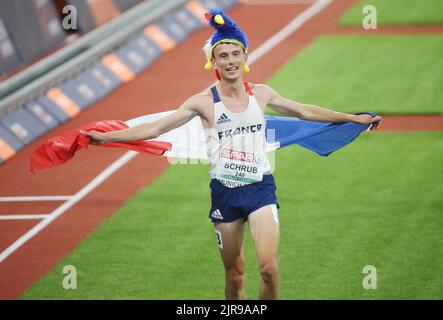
290, 28
23, 216
68, 204
254, 56
35, 198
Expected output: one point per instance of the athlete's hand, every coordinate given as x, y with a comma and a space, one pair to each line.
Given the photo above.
96, 137
367, 119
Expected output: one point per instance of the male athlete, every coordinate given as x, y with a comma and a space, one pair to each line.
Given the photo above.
242, 187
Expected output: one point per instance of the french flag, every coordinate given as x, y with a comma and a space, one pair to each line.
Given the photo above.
189, 141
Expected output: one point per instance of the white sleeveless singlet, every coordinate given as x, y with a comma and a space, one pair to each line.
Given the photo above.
236, 144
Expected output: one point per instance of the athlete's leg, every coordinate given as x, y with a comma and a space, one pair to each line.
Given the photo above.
230, 237
264, 227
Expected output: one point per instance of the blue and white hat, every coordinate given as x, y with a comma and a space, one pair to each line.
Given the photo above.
226, 30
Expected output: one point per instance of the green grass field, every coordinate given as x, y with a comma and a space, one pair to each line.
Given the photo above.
376, 202
397, 12
382, 74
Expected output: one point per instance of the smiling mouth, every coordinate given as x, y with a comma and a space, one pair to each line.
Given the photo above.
230, 69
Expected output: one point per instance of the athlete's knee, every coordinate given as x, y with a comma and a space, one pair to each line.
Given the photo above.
235, 279
269, 269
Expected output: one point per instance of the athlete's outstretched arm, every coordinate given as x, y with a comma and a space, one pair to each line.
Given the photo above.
314, 113
150, 130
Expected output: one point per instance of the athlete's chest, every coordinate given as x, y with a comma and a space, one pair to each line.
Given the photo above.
237, 111
236, 105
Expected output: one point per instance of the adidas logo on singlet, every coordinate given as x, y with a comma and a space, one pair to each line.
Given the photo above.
216, 215
223, 119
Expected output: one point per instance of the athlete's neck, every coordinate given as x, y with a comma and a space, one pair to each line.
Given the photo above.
232, 89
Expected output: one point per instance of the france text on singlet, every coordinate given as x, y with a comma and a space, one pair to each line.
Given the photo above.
237, 143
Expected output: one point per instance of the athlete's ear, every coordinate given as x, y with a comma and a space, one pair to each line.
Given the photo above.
245, 54
215, 67
245, 66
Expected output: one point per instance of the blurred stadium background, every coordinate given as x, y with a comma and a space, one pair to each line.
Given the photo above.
376, 202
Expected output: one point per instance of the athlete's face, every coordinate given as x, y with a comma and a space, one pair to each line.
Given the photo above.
229, 59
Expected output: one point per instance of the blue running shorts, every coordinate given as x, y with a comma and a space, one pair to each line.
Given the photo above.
230, 204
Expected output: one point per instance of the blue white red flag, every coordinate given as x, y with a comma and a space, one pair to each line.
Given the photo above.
189, 142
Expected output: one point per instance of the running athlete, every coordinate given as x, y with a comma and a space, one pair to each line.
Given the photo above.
242, 186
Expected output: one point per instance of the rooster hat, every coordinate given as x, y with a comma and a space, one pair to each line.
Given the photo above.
226, 31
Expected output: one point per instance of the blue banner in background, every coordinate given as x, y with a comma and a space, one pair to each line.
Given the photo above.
80, 93
87, 79
10, 138
134, 57
187, 20
9, 58
103, 77
124, 5
42, 114
218, 4
173, 28
147, 48
23, 125
47, 104
34, 26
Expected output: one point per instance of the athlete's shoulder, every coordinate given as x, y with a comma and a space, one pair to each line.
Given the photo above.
200, 99
204, 98
255, 85
261, 89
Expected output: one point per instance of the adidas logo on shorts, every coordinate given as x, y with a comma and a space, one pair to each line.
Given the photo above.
223, 119
216, 215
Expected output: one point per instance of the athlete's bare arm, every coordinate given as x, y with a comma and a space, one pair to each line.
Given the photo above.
189, 109
309, 112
